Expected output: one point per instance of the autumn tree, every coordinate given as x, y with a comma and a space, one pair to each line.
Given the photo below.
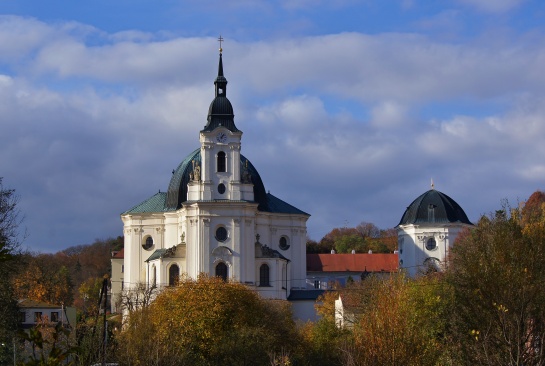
396, 321
89, 291
497, 271
207, 322
364, 237
42, 280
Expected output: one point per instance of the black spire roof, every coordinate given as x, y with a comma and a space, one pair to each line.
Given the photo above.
220, 112
434, 207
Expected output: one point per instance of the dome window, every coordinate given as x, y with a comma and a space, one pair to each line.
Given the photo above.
431, 244
221, 162
221, 234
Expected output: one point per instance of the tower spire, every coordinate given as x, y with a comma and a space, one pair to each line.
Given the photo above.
220, 112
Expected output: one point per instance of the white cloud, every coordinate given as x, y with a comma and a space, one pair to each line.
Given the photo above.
337, 123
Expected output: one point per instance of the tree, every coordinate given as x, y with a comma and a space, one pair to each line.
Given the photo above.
89, 291
9, 223
208, 322
396, 321
9, 257
137, 297
497, 272
364, 237
42, 280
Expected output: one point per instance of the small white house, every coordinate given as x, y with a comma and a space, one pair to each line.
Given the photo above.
34, 312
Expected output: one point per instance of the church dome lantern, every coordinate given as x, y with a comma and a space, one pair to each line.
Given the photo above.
220, 112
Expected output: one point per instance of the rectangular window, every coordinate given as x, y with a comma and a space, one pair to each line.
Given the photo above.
54, 316
317, 284
22, 316
37, 316
122, 284
122, 268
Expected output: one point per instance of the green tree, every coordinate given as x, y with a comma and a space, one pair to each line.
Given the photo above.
497, 273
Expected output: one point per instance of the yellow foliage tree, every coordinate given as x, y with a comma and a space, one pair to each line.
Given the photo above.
395, 321
208, 322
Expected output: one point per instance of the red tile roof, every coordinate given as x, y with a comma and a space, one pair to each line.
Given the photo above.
120, 254
352, 262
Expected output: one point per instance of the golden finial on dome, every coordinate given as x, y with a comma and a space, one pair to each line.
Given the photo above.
432, 184
220, 40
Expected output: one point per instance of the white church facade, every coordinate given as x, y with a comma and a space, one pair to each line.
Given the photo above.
216, 218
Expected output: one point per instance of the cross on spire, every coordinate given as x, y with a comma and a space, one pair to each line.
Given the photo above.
220, 40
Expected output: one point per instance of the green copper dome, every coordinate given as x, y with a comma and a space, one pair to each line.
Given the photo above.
177, 188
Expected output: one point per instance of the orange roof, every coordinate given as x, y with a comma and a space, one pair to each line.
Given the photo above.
120, 254
352, 262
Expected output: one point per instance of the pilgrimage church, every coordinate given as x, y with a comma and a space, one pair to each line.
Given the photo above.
217, 218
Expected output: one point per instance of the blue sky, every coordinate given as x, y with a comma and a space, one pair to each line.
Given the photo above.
348, 108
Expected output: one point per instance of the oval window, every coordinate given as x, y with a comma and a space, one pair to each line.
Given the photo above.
148, 244
283, 243
221, 188
221, 234
431, 244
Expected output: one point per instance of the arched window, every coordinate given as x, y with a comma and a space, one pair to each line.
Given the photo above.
221, 271
221, 162
173, 275
264, 275
154, 276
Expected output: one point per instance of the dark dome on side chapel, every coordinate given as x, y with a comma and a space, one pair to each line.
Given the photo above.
434, 207
177, 188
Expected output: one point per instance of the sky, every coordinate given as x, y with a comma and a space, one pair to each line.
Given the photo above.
349, 109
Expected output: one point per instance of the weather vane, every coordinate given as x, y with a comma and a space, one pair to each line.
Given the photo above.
220, 40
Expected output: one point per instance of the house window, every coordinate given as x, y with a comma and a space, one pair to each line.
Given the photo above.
54, 316
221, 162
221, 271
264, 275
148, 244
317, 284
37, 316
22, 316
173, 274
